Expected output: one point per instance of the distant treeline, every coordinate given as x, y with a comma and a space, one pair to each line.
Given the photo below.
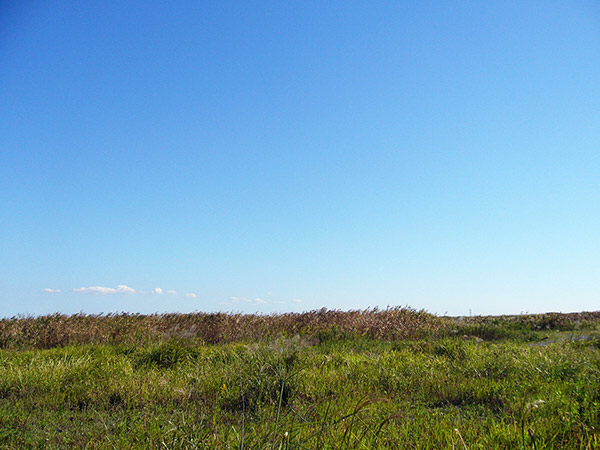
58, 330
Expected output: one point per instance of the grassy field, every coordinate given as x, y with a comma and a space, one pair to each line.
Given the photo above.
388, 379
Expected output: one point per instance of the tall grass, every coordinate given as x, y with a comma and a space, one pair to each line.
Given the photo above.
296, 393
391, 379
58, 330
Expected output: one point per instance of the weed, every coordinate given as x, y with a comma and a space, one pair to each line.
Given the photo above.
326, 379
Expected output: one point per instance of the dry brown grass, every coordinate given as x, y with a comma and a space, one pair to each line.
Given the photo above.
58, 330
546, 321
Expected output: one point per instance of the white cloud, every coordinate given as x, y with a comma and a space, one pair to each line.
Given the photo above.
51, 291
258, 301
123, 289
120, 289
296, 300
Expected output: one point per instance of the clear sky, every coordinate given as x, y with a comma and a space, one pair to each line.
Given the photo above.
287, 156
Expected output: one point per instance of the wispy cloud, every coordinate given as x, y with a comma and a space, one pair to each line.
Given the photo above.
258, 301
51, 291
123, 289
120, 289
296, 300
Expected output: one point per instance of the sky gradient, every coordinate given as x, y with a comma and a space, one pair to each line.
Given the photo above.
287, 156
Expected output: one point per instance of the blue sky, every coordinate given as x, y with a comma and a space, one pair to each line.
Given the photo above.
287, 156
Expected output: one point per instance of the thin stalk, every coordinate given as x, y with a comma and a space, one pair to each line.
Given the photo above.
278, 411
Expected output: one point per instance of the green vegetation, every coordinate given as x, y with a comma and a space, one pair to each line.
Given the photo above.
389, 379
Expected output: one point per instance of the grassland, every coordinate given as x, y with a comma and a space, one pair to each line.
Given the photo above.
390, 379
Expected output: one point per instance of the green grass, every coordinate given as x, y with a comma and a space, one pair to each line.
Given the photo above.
523, 388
